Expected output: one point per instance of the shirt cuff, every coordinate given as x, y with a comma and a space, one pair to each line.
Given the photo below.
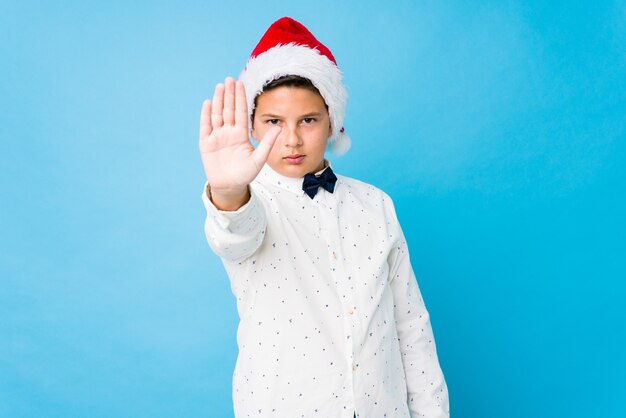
240, 220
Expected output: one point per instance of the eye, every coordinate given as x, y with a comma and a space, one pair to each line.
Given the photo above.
272, 121
308, 120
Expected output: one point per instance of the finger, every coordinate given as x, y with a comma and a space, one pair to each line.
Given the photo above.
205, 119
217, 108
241, 106
262, 151
229, 102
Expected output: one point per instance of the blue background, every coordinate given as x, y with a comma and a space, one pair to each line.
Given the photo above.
498, 128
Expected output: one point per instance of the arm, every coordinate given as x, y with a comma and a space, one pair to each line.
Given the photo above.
235, 223
234, 235
426, 386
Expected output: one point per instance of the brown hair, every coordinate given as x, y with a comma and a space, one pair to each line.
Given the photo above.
287, 81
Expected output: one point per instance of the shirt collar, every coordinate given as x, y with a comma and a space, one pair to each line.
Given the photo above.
293, 184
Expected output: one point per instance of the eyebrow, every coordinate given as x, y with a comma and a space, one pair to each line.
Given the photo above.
307, 115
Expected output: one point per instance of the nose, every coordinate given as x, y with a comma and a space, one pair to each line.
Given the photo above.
291, 138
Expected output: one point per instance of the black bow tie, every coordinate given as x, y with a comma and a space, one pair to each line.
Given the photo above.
312, 183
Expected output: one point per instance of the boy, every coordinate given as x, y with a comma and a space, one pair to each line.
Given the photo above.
332, 323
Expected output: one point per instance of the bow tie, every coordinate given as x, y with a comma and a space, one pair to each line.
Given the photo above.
312, 183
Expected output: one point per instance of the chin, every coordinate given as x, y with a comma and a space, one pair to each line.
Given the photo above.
293, 171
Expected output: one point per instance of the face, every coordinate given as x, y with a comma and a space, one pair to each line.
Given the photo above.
302, 114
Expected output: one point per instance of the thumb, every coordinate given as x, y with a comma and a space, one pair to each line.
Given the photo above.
262, 151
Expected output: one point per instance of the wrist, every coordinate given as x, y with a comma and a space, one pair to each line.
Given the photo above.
228, 199
227, 191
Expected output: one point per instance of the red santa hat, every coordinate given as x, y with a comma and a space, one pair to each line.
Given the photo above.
289, 48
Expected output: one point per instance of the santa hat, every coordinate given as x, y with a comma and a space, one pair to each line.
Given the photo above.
289, 48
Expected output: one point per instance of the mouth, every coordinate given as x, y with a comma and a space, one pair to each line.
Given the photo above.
294, 159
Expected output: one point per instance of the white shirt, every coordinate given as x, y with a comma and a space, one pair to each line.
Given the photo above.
332, 322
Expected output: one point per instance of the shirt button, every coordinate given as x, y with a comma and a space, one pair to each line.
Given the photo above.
334, 255
354, 367
351, 312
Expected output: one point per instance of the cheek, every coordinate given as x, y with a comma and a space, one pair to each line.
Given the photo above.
319, 145
318, 132
275, 152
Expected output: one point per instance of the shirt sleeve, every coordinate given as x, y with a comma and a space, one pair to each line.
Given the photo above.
235, 236
426, 386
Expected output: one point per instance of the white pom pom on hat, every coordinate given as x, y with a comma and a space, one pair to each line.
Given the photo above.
289, 48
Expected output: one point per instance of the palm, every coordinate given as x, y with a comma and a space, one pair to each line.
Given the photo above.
229, 159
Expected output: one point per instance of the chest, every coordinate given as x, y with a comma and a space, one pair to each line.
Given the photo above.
331, 232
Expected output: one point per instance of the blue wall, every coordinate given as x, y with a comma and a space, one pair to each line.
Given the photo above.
497, 127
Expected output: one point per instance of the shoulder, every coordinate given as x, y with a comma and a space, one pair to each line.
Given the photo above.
366, 194
352, 185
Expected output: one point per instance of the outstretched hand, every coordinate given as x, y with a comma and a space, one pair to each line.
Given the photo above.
229, 159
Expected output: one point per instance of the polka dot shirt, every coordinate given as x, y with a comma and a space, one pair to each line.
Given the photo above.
332, 322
